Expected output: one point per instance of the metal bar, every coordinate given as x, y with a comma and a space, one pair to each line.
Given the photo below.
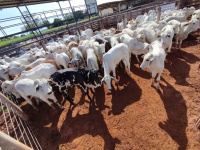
34, 135
87, 10
18, 124
33, 19
30, 133
3, 31
72, 11
4, 118
12, 123
25, 132
17, 110
26, 21
61, 10
8, 142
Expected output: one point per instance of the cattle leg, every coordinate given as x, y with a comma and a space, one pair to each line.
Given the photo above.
29, 101
180, 44
176, 43
56, 101
169, 48
65, 94
92, 91
48, 102
154, 75
91, 100
137, 58
127, 66
157, 80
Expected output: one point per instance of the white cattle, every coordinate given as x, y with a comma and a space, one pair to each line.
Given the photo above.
167, 35
3, 75
176, 25
9, 87
86, 34
17, 70
114, 41
135, 47
148, 35
57, 47
185, 30
111, 59
141, 19
69, 38
60, 59
43, 70
154, 60
132, 25
99, 50
91, 59
153, 24
196, 15
122, 25
131, 33
38, 88
77, 58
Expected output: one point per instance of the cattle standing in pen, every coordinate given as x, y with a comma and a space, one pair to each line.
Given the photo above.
86, 79
154, 60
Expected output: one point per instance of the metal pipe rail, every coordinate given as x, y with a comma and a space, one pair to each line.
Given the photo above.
19, 134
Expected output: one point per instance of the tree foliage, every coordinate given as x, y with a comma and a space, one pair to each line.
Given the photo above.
78, 15
57, 22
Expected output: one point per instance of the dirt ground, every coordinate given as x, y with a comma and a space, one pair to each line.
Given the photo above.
133, 115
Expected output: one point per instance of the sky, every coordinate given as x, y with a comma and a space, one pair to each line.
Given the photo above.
13, 12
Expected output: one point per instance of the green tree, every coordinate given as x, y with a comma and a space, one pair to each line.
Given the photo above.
78, 15
57, 22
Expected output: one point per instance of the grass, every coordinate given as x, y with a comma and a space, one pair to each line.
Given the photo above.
18, 39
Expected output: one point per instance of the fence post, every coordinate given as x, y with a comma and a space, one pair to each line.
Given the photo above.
15, 108
7, 142
158, 14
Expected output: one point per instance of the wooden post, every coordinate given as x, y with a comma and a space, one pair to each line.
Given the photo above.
178, 4
7, 142
15, 108
158, 14
124, 21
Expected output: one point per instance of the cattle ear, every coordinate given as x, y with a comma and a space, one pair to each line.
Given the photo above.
186, 24
36, 85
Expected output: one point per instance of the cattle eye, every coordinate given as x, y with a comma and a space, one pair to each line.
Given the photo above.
193, 23
147, 59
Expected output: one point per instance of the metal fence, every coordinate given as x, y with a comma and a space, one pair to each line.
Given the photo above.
13, 122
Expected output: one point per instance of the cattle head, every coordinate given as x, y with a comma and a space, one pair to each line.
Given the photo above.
74, 63
42, 86
148, 58
15, 70
9, 86
141, 37
107, 80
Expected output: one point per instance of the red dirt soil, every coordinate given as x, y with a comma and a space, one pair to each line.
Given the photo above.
134, 115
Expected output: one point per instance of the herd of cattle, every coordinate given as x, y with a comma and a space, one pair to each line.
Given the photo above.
87, 60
